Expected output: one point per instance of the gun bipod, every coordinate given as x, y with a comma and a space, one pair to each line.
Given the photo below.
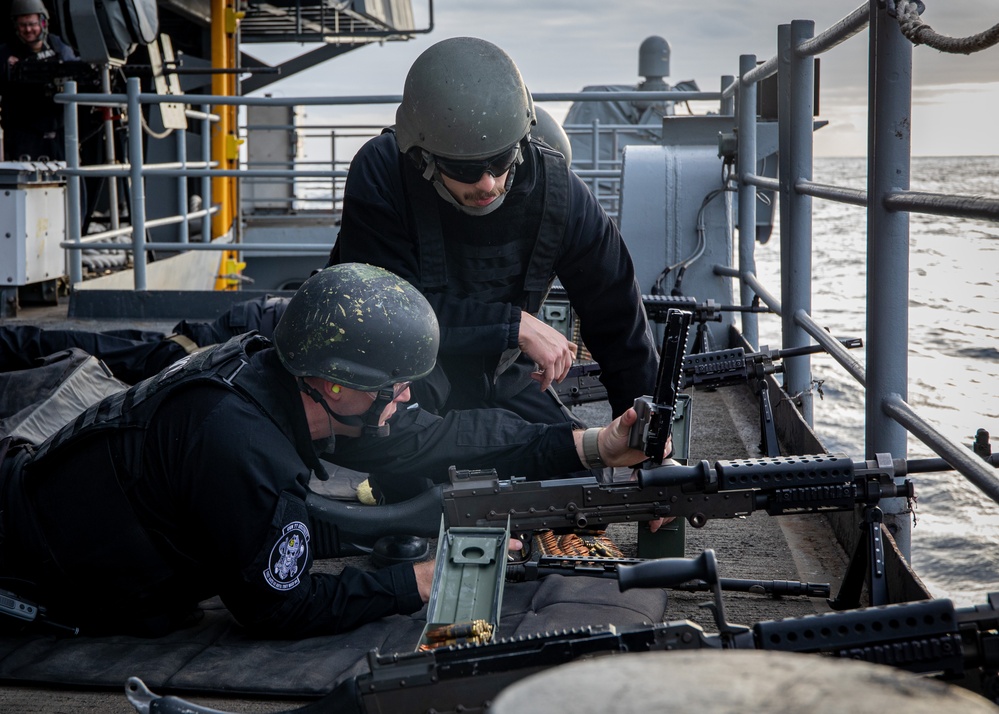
866, 563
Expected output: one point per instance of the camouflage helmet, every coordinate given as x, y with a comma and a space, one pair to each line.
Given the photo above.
464, 99
28, 7
360, 326
552, 134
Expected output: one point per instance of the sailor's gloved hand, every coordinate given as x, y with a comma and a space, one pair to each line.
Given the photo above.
612, 443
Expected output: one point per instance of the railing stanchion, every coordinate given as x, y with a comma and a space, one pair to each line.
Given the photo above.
888, 161
74, 211
796, 103
206, 181
746, 164
137, 190
184, 228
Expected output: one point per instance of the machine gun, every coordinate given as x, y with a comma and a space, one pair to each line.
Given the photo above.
699, 493
734, 366
54, 74
657, 306
931, 637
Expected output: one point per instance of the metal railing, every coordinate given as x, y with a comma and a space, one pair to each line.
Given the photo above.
888, 201
136, 170
312, 147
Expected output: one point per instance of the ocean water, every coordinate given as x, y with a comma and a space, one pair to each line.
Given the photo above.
953, 353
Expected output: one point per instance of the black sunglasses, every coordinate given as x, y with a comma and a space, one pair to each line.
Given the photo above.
471, 171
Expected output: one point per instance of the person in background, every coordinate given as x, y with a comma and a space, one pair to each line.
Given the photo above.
32, 122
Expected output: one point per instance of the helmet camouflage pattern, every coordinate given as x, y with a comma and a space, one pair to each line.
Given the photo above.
360, 326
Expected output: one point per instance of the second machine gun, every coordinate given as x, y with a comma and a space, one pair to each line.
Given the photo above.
582, 384
930, 637
735, 366
699, 493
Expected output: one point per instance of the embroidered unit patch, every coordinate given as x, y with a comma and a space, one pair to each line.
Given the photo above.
288, 556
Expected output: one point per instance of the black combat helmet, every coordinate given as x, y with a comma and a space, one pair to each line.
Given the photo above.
464, 99
360, 326
28, 7
19, 8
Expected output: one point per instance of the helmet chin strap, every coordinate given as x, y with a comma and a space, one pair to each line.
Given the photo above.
368, 421
374, 413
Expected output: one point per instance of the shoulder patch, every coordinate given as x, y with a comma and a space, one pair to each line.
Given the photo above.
289, 554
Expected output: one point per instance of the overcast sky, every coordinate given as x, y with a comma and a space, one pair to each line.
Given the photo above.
563, 45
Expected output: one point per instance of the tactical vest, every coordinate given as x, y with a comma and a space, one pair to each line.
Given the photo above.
554, 213
147, 581
222, 364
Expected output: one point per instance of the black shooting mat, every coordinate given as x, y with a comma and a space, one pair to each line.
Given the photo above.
217, 655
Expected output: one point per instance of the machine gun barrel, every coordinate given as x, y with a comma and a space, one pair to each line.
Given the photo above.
543, 565
657, 307
607, 568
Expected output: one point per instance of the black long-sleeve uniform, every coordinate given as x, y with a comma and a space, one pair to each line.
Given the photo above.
492, 254
32, 122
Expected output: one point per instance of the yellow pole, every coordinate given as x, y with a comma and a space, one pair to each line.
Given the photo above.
221, 130
225, 140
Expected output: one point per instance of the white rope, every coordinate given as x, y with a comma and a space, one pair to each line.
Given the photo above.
919, 33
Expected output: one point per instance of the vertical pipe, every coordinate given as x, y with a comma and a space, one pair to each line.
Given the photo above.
889, 143
222, 129
109, 152
595, 156
332, 165
784, 180
727, 106
746, 118
206, 181
797, 280
74, 212
182, 207
232, 89
138, 189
